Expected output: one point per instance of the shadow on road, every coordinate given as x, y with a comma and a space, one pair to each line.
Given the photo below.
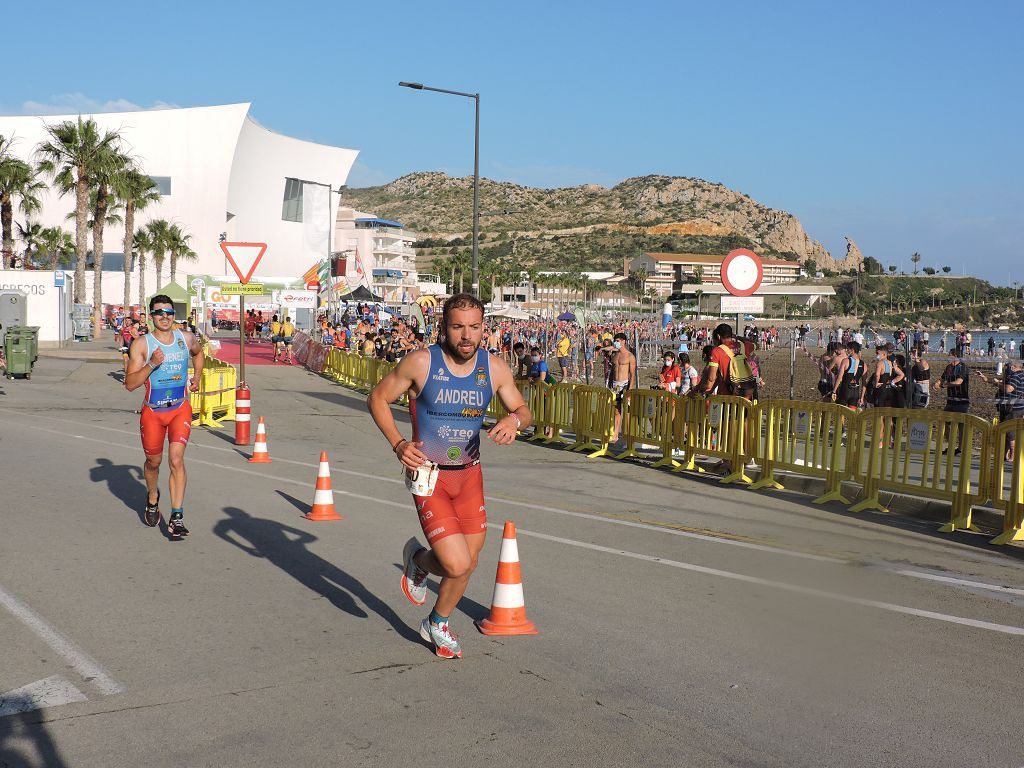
125, 481
286, 547
25, 742
299, 504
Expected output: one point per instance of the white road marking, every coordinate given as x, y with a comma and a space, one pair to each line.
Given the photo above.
987, 625
583, 515
84, 664
50, 692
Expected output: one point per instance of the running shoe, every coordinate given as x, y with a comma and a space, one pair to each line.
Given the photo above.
414, 578
151, 517
446, 643
176, 526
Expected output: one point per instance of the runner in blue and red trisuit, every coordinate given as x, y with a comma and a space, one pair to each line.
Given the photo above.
450, 385
160, 361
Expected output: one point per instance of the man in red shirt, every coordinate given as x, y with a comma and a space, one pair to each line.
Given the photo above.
726, 347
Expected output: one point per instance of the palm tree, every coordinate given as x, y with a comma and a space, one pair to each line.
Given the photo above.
136, 191
159, 231
178, 245
143, 243
57, 245
104, 211
698, 274
17, 180
30, 234
916, 258
70, 157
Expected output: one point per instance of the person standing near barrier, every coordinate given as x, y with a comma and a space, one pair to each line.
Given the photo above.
450, 386
957, 385
562, 354
848, 388
723, 380
671, 377
1009, 398
160, 361
921, 374
623, 374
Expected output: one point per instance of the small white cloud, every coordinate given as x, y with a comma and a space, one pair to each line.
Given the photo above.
79, 103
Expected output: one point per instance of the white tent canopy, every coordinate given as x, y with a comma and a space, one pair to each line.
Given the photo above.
511, 313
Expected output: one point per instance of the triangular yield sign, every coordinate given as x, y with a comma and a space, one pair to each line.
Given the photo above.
244, 257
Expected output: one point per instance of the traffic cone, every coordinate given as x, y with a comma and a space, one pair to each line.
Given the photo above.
260, 455
508, 610
323, 498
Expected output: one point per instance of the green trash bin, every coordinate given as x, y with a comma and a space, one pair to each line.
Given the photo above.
18, 351
31, 332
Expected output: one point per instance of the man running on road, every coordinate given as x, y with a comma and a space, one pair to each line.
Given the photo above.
450, 385
160, 361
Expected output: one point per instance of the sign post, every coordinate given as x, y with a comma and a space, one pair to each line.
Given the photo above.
243, 258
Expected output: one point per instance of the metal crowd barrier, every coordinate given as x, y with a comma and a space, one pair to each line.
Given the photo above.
804, 438
593, 418
916, 452
552, 411
1008, 483
717, 427
648, 418
215, 400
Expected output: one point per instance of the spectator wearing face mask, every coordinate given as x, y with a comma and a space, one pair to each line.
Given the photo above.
539, 373
671, 376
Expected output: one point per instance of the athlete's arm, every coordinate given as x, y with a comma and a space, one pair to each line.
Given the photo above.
519, 416
408, 373
198, 361
139, 368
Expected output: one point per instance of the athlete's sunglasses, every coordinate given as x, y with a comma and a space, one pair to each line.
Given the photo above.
162, 313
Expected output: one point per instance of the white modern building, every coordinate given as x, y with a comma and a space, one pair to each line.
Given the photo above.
380, 255
221, 175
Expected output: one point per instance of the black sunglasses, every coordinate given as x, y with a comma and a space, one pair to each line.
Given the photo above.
162, 312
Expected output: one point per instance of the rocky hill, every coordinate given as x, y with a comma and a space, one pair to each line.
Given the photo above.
596, 226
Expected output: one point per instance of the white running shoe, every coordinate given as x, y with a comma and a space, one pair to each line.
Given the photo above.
414, 578
446, 644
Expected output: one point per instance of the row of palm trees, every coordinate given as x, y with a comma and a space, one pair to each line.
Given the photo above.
109, 187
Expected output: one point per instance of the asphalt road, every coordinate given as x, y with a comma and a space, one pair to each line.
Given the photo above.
681, 623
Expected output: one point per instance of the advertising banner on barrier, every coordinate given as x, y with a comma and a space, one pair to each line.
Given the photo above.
296, 299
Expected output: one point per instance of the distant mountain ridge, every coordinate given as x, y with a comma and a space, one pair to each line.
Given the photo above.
642, 213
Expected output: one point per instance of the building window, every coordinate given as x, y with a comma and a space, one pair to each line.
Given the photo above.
291, 209
163, 184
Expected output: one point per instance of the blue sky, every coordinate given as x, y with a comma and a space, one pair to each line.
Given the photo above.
898, 124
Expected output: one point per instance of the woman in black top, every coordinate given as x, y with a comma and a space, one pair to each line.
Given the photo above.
921, 374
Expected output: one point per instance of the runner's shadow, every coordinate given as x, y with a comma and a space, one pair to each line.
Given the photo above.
286, 547
125, 481
24, 740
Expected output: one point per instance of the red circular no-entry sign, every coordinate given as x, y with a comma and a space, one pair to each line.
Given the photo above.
742, 272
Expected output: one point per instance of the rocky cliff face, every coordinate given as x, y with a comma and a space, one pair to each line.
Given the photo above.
437, 205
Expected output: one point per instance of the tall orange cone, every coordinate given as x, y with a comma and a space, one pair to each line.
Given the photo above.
323, 498
260, 455
508, 609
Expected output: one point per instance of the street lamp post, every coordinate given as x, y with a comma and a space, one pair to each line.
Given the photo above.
476, 173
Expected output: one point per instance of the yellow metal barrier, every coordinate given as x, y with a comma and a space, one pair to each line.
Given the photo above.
553, 411
648, 417
215, 400
804, 438
593, 418
915, 452
1007, 490
717, 427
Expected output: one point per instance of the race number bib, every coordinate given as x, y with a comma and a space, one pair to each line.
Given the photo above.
421, 482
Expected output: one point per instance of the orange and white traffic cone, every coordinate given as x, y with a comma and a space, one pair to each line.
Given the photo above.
323, 497
260, 454
508, 609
